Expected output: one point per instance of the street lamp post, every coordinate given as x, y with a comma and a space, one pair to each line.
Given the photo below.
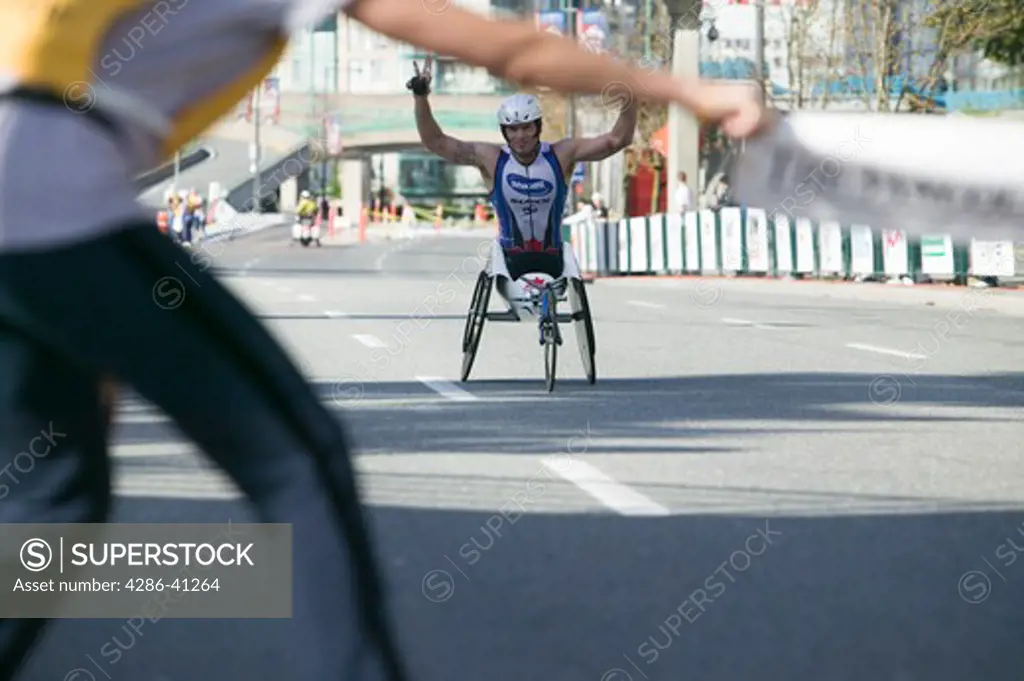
177, 170
256, 114
759, 70
570, 123
313, 108
683, 128
335, 88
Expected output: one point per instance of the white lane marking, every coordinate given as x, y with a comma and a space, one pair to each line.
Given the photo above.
368, 340
606, 489
305, 297
885, 351
378, 264
198, 486
447, 389
644, 303
335, 313
747, 322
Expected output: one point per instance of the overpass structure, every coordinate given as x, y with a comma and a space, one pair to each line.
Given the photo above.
285, 165
366, 124
294, 146
384, 123
362, 114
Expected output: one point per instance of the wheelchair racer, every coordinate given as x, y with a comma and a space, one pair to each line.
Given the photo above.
528, 179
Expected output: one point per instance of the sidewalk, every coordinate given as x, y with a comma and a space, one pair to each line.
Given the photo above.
379, 233
241, 224
948, 298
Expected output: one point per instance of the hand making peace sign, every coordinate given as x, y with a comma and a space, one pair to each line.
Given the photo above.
420, 83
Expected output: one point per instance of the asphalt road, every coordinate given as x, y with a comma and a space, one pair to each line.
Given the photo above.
762, 484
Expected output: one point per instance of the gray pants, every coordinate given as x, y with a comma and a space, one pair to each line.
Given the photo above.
133, 306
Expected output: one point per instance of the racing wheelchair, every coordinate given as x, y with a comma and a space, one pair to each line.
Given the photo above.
537, 295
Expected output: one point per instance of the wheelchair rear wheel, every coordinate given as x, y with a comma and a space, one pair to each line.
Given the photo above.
583, 325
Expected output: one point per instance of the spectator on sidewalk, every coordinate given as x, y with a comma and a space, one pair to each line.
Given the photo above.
193, 216
682, 199
325, 208
721, 195
174, 209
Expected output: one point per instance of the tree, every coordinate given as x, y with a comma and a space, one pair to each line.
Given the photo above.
899, 51
811, 31
869, 27
650, 44
555, 107
994, 26
1006, 44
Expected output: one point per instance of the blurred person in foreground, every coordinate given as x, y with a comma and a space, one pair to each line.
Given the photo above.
88, 288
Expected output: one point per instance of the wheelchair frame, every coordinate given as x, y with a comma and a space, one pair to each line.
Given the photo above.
569, 287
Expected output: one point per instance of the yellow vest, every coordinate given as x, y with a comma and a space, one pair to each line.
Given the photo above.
51, 45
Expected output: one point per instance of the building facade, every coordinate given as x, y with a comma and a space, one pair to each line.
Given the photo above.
343, 56
810, 51
732, 54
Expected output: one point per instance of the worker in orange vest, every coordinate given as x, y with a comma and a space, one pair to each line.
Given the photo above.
163, 222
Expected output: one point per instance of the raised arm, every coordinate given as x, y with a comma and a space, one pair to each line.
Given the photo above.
572, 150
483, 156
516, 51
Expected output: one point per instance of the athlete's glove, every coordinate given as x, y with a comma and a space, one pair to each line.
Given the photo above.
420, 83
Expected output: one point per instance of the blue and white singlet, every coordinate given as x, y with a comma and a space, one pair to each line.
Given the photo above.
529, 201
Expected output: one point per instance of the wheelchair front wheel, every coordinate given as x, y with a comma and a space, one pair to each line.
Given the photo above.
475, 322
550, 338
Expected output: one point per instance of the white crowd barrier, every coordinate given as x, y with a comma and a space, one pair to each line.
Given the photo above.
747, 241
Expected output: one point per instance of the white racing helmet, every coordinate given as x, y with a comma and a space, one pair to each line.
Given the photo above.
518, 109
